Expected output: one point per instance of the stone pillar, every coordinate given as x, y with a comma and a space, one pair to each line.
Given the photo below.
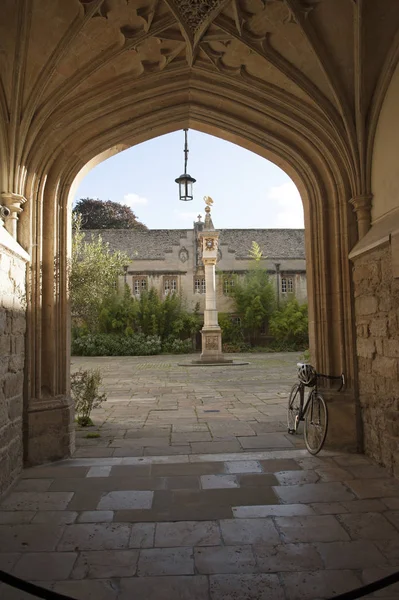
211, 333
210, 314
49, 425
13, 203
362, 207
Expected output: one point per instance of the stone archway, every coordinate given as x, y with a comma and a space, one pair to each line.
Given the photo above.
86, 76
324, 209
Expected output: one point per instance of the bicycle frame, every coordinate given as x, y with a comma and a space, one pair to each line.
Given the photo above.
303, 406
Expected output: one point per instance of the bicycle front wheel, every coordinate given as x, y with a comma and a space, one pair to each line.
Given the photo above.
316, 422
294, 403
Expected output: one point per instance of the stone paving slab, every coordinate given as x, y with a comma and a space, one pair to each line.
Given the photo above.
116, 563
284, 550
158, 407
136, 522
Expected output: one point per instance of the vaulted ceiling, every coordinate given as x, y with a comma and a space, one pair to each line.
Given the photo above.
59, 59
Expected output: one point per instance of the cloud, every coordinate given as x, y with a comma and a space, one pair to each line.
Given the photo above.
186, 216
134, 199
288, 206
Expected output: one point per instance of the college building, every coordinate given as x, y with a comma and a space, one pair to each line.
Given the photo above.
170, 260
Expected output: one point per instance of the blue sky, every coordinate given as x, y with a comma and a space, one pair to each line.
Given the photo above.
248, 191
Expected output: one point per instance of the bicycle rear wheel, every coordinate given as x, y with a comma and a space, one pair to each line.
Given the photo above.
294, 403
316, 423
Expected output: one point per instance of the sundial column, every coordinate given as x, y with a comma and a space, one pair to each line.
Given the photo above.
211, 333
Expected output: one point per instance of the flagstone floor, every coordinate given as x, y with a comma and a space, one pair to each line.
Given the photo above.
148, 510
156, 407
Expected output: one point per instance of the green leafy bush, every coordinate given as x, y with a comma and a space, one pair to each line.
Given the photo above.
231, 331
103, 344
254, 297
175, 346
93, 276
85, 393
289, 326
236, 347
149, 315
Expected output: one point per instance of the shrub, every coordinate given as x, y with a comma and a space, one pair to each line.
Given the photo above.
149, 314
85, 393
93, 276
107, 344
289, 326
175, 346
254, 298
236, 347
231, 332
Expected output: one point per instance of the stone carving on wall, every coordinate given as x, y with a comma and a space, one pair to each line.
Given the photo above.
211, 342
189, 29
198, 251
195, 12
183, 255
210, 243
9, 210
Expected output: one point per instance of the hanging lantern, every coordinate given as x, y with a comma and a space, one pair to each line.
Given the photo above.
185, 181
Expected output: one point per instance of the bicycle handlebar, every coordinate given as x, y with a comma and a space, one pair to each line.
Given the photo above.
322, 375
340, 377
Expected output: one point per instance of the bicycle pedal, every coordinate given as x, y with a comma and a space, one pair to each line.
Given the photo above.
291, 431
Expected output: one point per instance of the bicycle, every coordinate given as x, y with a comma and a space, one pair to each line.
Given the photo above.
314, 412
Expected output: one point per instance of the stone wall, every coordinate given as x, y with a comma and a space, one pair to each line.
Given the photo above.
12, 346
377, 322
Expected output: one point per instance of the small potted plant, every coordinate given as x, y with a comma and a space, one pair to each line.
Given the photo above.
85, 392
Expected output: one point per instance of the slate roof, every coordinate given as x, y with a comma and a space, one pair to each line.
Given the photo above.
274, 243
152, 244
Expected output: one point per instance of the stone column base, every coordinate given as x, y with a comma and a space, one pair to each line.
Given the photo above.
344, 424
212, 346
49, 432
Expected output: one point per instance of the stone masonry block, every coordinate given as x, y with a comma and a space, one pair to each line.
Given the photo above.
391, 348
386, 265
5, 263
17, 344
385, 301
3, 413
365, 364
5, 344
10, 432
386, 367
18, 323
16, 363
4, 361
385, 388
15, 408
379, 346
362, 330
366, 383
9, 315
13, 384
393, 325
366, 348
3, 320
366, 272
392, 428
379, 327
366, 305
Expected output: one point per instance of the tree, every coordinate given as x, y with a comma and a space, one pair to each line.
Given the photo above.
254, 297
100, 214
150, 314
93, 276
289, 324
